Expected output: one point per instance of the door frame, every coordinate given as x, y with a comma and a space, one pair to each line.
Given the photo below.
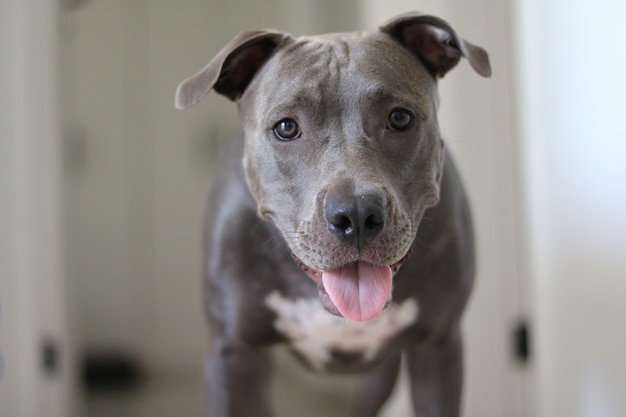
36, 371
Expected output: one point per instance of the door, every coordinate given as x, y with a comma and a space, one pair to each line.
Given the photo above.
36, 372
574, 148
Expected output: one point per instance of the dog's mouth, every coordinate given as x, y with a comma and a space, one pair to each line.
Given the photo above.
358, 291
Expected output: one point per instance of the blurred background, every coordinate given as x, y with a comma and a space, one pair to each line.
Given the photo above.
103, 185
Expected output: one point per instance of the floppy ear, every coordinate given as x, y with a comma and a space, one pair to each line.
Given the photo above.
232, 69
436, 43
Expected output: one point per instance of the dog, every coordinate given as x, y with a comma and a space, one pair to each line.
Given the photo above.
337, 223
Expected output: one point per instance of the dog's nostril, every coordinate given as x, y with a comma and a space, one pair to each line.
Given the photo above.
342, 224
374, 221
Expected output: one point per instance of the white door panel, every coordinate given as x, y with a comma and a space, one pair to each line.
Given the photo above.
36, 371
572, 87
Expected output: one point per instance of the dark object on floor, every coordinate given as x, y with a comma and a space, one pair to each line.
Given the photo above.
110, 371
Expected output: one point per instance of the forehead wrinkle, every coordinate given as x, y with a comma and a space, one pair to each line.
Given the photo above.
310, 82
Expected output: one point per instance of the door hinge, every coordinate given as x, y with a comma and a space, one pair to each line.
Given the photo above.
522, 342
50, 356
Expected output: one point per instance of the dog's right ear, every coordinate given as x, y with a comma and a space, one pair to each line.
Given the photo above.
436, 43
232, 69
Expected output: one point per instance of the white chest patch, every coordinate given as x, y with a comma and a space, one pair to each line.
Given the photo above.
314, 333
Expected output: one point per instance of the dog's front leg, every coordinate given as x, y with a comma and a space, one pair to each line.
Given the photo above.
377, 387
237, 380
436, 371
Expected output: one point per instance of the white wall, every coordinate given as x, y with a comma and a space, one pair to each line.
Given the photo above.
571, 63
31, 289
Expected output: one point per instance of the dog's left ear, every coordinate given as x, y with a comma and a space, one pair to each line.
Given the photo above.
435, 42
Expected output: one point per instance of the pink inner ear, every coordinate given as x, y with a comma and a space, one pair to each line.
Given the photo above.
434, 45
245, 64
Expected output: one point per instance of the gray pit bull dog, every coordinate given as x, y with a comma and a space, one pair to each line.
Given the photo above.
345, 233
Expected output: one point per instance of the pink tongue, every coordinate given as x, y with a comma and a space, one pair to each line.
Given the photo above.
360, 290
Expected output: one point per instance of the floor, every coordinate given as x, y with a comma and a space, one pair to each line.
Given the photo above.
171, 396
295, 392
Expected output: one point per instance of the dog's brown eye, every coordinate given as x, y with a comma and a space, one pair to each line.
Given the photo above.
400, 119
287, 129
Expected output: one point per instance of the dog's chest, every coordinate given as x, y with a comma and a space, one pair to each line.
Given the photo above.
324, 340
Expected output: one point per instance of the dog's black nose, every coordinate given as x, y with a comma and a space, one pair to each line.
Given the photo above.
355, 217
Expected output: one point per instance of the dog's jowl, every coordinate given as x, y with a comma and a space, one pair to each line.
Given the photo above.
337, 222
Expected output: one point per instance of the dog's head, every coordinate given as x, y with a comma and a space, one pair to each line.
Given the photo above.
342, 147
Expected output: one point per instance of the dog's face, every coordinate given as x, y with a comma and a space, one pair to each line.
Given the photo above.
342, 116
343, 152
